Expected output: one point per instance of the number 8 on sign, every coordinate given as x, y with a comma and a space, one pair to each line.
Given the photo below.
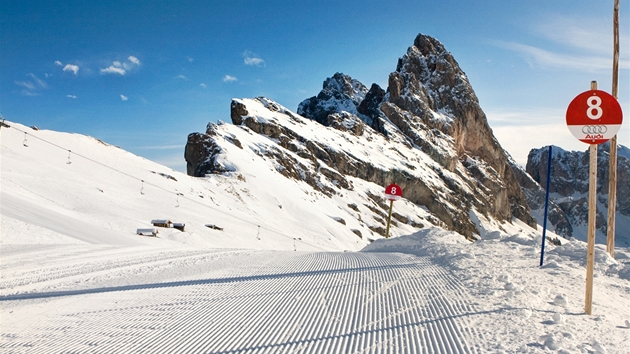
594, 104
594, 117
393, 192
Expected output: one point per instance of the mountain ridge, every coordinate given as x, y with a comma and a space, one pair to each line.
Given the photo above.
569, 190
447, 159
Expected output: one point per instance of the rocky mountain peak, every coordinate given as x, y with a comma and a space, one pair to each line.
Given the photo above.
430, 92
426, 133
347, 86
428, 45
429, 83
340, 93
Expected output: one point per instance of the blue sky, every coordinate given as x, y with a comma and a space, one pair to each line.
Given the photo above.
142, 75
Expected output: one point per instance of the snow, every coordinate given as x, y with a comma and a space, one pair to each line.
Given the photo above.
76, 278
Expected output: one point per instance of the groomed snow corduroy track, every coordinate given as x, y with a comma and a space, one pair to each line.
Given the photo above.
150, 301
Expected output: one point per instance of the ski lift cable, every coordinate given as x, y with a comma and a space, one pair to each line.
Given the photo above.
154, 185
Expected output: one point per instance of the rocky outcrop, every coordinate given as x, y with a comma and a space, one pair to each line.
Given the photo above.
430, 101
201, 152
535, 196
340, 93
426, 133
569, 187
429, 92
343, 95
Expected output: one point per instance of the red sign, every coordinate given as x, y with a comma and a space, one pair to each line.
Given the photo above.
393, 192
594, 117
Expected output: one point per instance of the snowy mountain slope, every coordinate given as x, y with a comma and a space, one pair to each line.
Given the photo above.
288, 301
426, 133
106, 189
75, 277
105, 194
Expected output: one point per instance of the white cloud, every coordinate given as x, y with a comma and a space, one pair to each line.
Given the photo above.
229, 78
540, 57
27, 84
71, 96
519, 140
113, 70
38, 81
181, 77
573, 43
71, 67
162, 147
58, 63
589, 34
33, 86
121, 68
124, 98
252, 59
202, 85
190, 59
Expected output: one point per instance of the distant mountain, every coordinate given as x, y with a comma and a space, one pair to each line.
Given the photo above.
426, 132
569, 190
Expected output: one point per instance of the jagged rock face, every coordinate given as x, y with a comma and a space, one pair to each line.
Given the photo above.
429, 100
429, 86
570, 182
340, 93
344, 95
535, 196
202, 151
416, 135
370, 107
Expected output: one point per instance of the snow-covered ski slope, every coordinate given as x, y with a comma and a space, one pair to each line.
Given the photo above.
241, 301
74, 278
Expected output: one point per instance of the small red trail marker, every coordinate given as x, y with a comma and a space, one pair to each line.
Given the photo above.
594, 117
392, 192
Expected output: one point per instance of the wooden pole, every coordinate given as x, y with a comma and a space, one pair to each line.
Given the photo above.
592, 194
615, 79
389, 218
612, 179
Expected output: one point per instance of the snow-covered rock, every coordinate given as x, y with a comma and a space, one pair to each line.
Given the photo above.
427, 134
568, 215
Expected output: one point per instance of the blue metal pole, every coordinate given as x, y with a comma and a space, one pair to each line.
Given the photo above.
544, 234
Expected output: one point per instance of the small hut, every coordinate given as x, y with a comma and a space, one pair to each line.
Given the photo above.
162, 223
147, 232
179, 226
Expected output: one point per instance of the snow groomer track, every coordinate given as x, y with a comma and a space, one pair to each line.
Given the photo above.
234, 302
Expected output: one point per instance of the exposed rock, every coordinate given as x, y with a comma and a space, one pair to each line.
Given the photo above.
427, 133
535, 195
200, 149
370, 107
340, 93
569, 187
431, 91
